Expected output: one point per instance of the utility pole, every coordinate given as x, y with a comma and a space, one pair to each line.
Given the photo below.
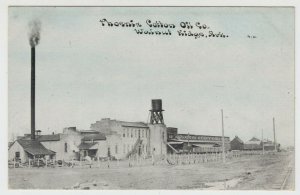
188, 142
275, 145
223, 141
262, 139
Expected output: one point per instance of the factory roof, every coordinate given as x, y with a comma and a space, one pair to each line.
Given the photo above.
206, 145
254, 139
89, 132
52, 137
237, 139
94, 137
34, 147
86, 146
134, 124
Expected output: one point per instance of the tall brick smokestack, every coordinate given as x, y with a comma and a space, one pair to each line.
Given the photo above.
32, 93
34, 38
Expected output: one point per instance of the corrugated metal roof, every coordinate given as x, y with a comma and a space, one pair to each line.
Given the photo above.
34, 147
90, 137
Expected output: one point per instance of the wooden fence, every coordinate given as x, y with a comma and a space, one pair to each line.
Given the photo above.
134, 161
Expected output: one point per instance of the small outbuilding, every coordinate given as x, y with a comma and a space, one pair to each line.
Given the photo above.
253, 144
23, 150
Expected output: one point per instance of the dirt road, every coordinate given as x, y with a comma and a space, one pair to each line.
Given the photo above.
255, 172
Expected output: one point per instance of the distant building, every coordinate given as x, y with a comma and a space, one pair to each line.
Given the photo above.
236, 144
253, 144
269, 145
189, 143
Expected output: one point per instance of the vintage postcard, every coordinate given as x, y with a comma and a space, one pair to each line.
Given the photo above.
151, 98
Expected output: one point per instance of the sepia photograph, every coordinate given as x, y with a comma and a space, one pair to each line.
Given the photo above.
151, 98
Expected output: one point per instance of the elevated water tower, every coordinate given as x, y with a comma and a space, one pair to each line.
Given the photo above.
156, 112
158, 130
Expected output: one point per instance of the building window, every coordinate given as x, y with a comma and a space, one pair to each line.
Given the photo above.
116, 149
17, 155
66, 147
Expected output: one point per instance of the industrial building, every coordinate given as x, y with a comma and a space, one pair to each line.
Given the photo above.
118, 140
114, 139
257, 144
129, 138
107, 138
189, 143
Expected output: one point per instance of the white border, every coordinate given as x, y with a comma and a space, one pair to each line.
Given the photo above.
3, 80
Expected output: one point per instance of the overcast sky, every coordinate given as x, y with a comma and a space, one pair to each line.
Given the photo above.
85, 72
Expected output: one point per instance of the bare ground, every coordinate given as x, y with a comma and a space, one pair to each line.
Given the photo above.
255, 172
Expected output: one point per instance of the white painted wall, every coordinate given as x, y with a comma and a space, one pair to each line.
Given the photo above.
16, 147
101, 148
73, 140
158, 139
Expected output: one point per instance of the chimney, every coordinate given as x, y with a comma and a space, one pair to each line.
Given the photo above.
33, 93
34, 38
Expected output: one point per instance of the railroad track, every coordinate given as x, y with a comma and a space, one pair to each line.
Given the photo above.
282, 184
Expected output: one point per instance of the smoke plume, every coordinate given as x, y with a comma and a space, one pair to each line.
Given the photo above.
34, 32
